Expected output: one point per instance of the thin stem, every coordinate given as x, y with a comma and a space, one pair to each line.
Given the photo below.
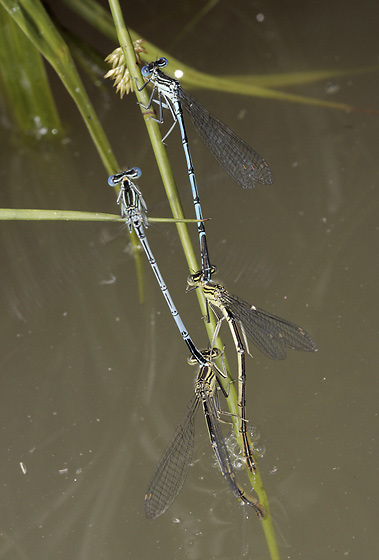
160, 152
34, 21
176, 208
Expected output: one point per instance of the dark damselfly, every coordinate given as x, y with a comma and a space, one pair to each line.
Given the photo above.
271, 334
133, 210
171, 472
242, 163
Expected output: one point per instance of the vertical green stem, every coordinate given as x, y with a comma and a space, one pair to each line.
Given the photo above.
159, 149
177, 211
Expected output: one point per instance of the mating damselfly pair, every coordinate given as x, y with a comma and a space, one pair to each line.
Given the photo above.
269, 333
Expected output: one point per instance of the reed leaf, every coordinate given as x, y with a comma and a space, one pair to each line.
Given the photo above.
24, 82
255, 85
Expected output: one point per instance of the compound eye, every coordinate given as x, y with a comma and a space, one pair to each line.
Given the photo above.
135, 172
145, 71
162, 62
113, 180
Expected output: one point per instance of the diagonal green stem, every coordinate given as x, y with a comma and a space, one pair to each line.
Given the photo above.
254, 85
34, 21
173, 197
159, 149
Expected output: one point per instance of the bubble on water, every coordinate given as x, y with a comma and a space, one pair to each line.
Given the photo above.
254, 434
260, 449
331, 88
238, 463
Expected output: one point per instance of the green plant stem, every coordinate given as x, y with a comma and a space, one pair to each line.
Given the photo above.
37, 215
34, 21
173, 197
263, 86
159, 149
36, 24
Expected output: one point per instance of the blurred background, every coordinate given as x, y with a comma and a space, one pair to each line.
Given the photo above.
93, 383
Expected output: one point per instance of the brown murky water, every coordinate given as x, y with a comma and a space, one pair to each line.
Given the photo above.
93, 384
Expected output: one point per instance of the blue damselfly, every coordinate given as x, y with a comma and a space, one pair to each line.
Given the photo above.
242, 163
133, 210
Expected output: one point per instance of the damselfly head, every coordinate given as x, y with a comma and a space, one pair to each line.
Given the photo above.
193, 282
147, 70
196, 279
133, 173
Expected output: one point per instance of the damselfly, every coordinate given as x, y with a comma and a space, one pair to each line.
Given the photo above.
133, 210
242, 163
171, 472
269, 333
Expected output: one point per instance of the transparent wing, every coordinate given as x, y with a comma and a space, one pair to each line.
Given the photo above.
238, 159
270, 334
170, 474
